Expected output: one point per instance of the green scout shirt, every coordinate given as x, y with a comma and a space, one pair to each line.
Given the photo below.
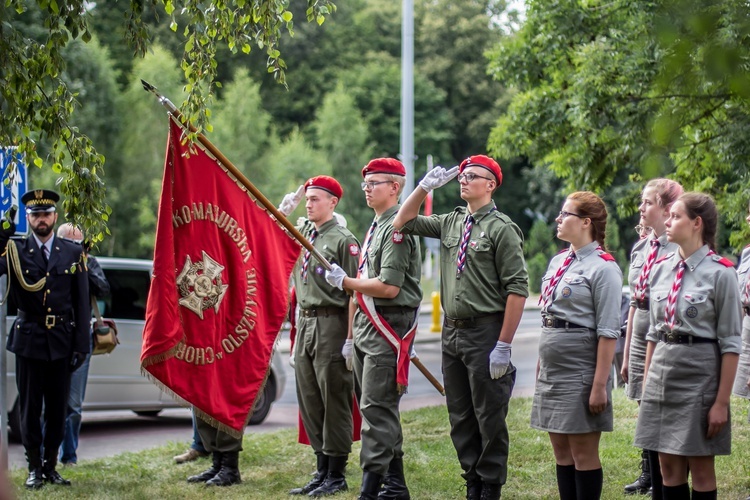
394, 258
338, 245
494, 267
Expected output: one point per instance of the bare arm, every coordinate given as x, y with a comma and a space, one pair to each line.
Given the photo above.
410, 208
605, 351
718, 415
350, 326
626, 350
513, 312
372, 287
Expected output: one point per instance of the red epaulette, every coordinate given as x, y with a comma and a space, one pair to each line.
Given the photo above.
607, 257
725, 262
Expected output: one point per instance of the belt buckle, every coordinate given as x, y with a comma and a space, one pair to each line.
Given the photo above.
548, 322
671, 337
49, 321
460, 323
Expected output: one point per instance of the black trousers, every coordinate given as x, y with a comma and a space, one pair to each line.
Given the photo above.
43, 384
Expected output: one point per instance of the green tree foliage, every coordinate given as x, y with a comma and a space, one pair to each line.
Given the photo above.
38, 105
538, 249
341, 133
605, 90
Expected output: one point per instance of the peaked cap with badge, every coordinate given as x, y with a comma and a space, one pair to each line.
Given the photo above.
40, 200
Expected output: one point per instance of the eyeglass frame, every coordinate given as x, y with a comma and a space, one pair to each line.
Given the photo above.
370, 185
564, 214
470, 176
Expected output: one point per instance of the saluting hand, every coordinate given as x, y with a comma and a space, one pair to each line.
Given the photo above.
598, 399
348, 352
499, 359
718, 416
335, 277
291, 200
437, 177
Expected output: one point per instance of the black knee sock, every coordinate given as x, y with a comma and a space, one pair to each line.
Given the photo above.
589, 484
679, 492
704, 495
566, 481
656, 482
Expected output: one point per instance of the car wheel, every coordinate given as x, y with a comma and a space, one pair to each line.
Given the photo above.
149, 413
14, 423
264, 402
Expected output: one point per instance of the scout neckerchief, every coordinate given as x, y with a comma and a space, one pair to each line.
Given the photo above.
669, 312
746, 290
399, 345
640, 286
461, 258
546, 297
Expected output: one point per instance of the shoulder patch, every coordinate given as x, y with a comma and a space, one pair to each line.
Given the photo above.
398, 237
607, 257
664, 257
354, 249
722, 260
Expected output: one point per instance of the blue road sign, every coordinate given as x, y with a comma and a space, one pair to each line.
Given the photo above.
13, 185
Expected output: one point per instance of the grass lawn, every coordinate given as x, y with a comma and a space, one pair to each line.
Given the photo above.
271, 464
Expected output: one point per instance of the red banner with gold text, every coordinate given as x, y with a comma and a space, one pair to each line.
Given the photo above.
219, 291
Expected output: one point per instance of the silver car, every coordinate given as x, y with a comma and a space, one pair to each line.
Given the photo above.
115, 381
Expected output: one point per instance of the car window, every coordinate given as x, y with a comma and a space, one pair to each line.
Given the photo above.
128, 294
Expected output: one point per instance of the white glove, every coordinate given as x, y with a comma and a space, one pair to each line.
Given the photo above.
437, 177
413, 353
335, 277
291, 200
499, 359
291, 360
348, 352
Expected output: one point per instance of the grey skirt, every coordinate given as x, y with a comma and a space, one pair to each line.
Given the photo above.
743, 369
637, 356
567, 362
681, 388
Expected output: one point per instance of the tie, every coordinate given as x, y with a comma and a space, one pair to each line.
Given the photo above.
306, 258
546, 297
640, 287
45, 253
366, 246
669, 312
461, 258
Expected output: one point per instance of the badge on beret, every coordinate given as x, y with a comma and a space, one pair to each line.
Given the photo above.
567, 292
398, 237
691, 312
354, 249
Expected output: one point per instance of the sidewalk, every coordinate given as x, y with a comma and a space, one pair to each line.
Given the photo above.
424, 333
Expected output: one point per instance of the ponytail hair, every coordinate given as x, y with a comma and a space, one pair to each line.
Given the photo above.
589, 205
703, 206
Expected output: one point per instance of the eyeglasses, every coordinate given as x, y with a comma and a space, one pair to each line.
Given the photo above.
468, 177
369, 186
564, 214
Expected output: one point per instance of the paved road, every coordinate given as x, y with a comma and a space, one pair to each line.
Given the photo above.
108, 433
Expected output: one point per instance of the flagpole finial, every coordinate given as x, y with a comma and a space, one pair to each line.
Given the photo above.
163, 100
148, 87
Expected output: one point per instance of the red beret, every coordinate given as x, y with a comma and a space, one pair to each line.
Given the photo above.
325, 183
484, 162
384, 166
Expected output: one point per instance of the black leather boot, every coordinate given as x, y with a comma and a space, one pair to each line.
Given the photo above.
50, 475
35, 479
335, 480
641, 485
491, 491
229, 473
318, 476
474, 489
394, 484
210, 472
370, 485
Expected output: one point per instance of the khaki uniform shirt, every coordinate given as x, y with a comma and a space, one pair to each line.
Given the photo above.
394, 258
638, 257
708, 304
589, 293
339, 246
494, 268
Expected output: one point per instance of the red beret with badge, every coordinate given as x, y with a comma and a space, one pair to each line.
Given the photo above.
325, 183
484, 162
384, 166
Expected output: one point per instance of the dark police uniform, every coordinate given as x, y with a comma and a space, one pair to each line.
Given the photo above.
474, 305
52, 324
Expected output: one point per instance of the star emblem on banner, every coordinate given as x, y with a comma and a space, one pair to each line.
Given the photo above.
200, 285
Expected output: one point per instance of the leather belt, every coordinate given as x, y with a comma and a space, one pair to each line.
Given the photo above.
394, 309
473, 321
642, 304
552, 322
322, 311
674, 338
48, 321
